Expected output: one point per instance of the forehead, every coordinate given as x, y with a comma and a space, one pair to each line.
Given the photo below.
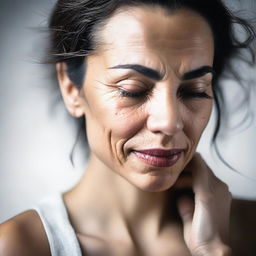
151, 34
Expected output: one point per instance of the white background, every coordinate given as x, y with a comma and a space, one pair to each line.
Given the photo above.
37, 134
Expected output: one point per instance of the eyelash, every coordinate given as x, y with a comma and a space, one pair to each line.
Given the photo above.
128, 94
183, 95
195, 94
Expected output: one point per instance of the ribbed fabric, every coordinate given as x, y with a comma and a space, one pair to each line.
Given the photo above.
61, 236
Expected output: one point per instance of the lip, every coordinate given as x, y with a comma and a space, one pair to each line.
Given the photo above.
159, 157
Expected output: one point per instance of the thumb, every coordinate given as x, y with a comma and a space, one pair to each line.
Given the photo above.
185, 207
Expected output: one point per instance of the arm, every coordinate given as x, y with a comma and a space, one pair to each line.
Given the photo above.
23, 235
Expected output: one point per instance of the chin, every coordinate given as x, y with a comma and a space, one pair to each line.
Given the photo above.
154, 183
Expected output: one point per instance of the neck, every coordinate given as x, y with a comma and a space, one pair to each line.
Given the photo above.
104, 195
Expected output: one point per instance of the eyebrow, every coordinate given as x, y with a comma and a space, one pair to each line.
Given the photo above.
148, 72
156, 75
199, 72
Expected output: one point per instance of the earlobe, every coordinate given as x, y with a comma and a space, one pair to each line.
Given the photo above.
70, 92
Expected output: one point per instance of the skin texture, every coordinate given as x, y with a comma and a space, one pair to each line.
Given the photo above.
167, 115
123, 205
160, 118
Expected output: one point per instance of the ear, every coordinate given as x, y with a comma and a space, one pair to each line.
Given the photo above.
70, 92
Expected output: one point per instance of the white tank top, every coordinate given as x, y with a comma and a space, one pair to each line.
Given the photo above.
61, 235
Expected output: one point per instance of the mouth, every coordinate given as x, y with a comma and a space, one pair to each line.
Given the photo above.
158, 157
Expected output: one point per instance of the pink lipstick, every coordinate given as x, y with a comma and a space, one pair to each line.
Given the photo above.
159, 157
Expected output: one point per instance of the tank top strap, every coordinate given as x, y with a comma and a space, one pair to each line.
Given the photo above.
61, 235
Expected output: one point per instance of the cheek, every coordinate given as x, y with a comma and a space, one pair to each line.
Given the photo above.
109, 128
127, 121
196, 120
112, 121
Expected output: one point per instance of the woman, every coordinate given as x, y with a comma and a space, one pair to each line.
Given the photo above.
144, 74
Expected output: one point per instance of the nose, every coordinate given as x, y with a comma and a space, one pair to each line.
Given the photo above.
164, 115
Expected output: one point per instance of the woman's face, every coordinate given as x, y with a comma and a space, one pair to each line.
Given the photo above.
147, 94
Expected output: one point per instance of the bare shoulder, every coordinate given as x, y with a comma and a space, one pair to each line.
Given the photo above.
23, 235
243, 227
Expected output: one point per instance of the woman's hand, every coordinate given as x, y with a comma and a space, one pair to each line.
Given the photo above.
206, 219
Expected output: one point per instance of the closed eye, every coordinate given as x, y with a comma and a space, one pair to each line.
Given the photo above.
130, 94
183, 94
187, 94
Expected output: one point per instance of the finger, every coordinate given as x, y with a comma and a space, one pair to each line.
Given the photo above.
185, 207
202, 176
205, 184
211, 200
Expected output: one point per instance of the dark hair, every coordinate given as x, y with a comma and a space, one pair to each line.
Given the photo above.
74, 25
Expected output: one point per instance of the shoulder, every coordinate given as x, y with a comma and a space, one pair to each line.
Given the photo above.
243, 226
23, 235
